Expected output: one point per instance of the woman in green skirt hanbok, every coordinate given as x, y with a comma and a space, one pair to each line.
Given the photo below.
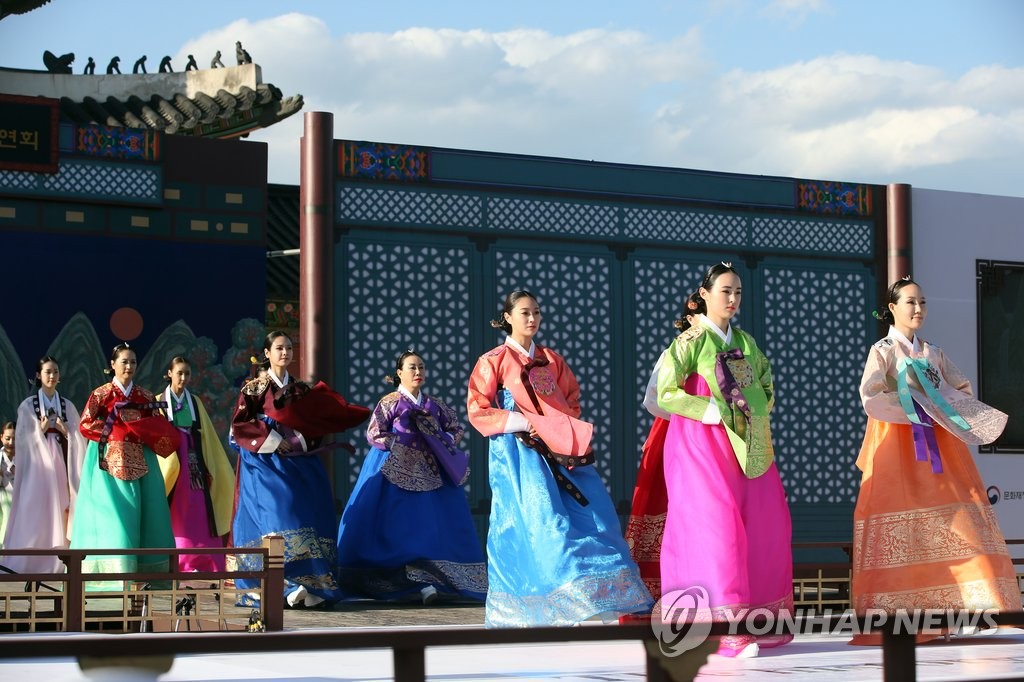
121, 498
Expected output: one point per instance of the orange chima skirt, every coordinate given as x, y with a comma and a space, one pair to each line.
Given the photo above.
925, 540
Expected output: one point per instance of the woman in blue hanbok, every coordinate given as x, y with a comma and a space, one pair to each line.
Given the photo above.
555, 551
406, 530
282, 483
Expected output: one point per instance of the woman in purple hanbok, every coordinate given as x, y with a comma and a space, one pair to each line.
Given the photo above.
406, 530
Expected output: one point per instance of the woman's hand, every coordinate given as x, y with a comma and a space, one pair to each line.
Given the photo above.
59, 424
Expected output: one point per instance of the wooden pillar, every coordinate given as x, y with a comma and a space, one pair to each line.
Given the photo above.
272, 598
409, 663
316, 247
74, 596
316, 254
899, 658
900, 263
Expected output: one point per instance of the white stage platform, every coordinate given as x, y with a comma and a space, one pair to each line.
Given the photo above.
808, 658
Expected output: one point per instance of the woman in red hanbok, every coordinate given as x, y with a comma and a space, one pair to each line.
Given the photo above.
121, 500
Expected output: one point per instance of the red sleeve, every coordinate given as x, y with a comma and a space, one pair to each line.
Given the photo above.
483, 388
94, 415
249, 431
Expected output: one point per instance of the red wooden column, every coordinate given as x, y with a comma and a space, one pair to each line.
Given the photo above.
316, 254
900, 264
316, 247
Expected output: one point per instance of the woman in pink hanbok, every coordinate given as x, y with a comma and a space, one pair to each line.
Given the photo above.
50, 452
727, 528
198, 477
6, 476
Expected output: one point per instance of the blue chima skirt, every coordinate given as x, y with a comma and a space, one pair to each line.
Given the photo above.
394, 542
550, 560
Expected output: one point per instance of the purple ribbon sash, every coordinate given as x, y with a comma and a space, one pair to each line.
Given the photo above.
926, 448
727, 383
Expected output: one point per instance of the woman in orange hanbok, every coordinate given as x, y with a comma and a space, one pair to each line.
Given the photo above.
925, 535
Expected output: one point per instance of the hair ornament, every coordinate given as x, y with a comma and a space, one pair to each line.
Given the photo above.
691, 305
875, 314
254, 366
727, 263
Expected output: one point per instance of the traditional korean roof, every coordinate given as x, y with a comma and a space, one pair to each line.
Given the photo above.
9, 7
218, 103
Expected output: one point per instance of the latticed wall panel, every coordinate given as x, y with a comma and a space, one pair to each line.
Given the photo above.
603, 220
422, 209
815, 236
575, 296
817, 337
400, 295
695, 227
95, 180
546, 215
609, 310
659, 287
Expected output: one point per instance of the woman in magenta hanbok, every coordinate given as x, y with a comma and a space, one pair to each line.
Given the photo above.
727, 528
198, 477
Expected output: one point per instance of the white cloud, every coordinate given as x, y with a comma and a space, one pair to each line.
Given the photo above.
856, 117
794, 12
623, 96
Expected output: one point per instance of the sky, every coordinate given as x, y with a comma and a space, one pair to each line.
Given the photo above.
929, 93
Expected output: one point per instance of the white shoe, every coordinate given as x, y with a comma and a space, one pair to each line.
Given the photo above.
297, 596
749, 651
429, 595
312, 600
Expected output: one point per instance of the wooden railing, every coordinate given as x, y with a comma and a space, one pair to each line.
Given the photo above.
823, 586
408, 645
139, 602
